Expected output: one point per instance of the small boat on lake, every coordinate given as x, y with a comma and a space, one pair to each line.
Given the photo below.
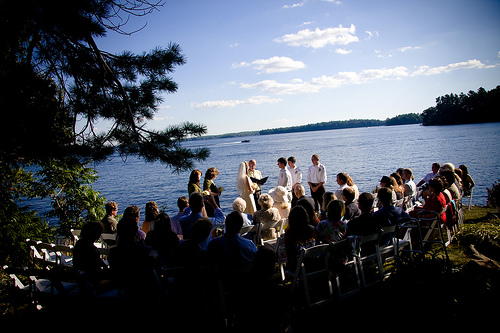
245, 140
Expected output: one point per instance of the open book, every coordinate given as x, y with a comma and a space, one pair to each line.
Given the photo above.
259, 181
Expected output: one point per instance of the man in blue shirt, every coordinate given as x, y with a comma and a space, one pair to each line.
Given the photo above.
231, 251
197, 205
388, 215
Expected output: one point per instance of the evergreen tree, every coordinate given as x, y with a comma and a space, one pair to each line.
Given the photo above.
56, 84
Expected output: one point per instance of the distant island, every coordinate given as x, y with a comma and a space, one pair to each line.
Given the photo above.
452, 109
410, 118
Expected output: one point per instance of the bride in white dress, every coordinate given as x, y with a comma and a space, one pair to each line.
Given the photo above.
245, 188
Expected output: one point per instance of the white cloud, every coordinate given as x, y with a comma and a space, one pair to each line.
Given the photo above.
342, 51
294, 5
255, 100
333, 1
498, 54
426, 70
371, 34
407, 48
274, 87
298, 86
273, 65
320, 38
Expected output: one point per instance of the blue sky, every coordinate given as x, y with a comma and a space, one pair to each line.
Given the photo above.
261, 64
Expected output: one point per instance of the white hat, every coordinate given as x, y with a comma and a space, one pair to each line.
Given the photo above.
279, 194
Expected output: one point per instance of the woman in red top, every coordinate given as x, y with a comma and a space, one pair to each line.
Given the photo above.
436, 201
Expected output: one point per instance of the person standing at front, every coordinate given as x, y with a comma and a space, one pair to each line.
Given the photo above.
254, 173
316, 178
284, 177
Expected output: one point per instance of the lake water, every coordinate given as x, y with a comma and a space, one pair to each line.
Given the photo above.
366, 154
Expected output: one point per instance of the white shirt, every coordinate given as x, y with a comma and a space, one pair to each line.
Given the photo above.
316, 174
429, 176
296, 175
285, 179
412, 186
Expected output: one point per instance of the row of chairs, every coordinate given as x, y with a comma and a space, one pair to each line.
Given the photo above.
321, 262
104, 242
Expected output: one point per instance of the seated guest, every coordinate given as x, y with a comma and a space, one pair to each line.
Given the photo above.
197, 205
150, 212
387, 215
134, 213
266, 214
183, 205
300, 193
133, 264
452, 187
309, 207
327, 197
397, 185
386, 181
351, 208
299, 235
342, 180
231, 251
189, 252
282, 200
108, 222
239, 205
436, 201
364, 224
334, 228
467, 181
410, 188
163, 239
87, 261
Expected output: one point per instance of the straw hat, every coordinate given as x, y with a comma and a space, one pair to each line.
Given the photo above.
279, 194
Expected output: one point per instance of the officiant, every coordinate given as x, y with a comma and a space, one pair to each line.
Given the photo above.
253, 173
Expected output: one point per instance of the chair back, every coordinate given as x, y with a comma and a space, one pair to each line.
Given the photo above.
254, 229
313, 264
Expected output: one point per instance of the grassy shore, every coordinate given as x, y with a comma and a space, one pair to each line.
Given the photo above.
431, 294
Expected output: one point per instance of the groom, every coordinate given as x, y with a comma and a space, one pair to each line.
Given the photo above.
257, 175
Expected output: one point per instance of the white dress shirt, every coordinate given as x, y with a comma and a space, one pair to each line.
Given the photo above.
316, 174
285, 179
296, 175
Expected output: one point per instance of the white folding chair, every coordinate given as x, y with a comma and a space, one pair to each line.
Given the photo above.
430, 224
344, 266
370, 242
254, 229
312, 264
265, 227
108, 240
64, 255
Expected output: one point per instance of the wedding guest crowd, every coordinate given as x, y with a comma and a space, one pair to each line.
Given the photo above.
201, 235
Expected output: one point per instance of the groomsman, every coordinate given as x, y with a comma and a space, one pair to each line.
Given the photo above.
284, 178
296, 176
316, 178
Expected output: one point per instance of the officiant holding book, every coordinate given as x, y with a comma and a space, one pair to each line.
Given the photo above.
253, 173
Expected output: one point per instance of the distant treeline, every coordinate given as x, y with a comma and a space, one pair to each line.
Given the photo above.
410, 118
474, 107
